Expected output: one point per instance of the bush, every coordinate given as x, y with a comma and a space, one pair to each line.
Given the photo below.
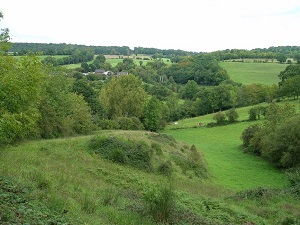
132, 123
248, 134
108, 124
232, 115
165, 168
219, 117
256, 112
134, 153
281, 146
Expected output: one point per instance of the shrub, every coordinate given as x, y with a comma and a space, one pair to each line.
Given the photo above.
161, 204
108, 124
281, 146
165, 168
248, 134
132, 123
252, 114
232, 115
219, 117
131, 152
256, 112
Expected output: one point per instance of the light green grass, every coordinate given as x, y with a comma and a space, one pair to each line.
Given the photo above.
115, 61
248, 73
221, 146
229, 166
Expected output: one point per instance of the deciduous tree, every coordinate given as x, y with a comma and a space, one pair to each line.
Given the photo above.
124, 96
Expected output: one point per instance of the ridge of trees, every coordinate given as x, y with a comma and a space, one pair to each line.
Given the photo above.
20, 48
274, 52
260, 53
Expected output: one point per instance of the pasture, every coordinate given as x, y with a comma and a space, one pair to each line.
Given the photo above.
221, 145
249, 73
229, 166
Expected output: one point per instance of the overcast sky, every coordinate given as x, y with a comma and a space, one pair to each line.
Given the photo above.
191, 25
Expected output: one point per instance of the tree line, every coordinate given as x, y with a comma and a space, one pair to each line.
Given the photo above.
280, 53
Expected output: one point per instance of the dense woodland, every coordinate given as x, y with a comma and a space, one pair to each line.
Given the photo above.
43, 100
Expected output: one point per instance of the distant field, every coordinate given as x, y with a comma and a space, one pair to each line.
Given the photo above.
248, 73
114, 59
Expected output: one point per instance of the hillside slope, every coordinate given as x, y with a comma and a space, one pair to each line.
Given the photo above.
66, 182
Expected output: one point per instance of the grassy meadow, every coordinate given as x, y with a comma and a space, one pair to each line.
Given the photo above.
252, 72
221, 146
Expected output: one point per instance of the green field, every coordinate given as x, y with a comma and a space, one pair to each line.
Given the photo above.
114, 60
248, 73
231, 167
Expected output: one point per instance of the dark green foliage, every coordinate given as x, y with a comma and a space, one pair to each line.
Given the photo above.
282, 146
18, 206
134, 153
190, 90
108, 124
232, 115
123, 123
129, 123
161, 204
294, 177
291, 87
21, 83
248, 134
278, 138
153, 115
63, 113
281, 58
289, 72
256, 112
203, 69
220, 118
90, 96
165, 168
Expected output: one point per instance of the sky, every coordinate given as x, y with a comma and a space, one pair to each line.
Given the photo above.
189, 25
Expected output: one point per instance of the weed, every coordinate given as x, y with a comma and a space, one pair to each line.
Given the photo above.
17, 206
161, 203
88, 203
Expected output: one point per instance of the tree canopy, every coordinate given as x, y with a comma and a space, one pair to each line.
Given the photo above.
123, 96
